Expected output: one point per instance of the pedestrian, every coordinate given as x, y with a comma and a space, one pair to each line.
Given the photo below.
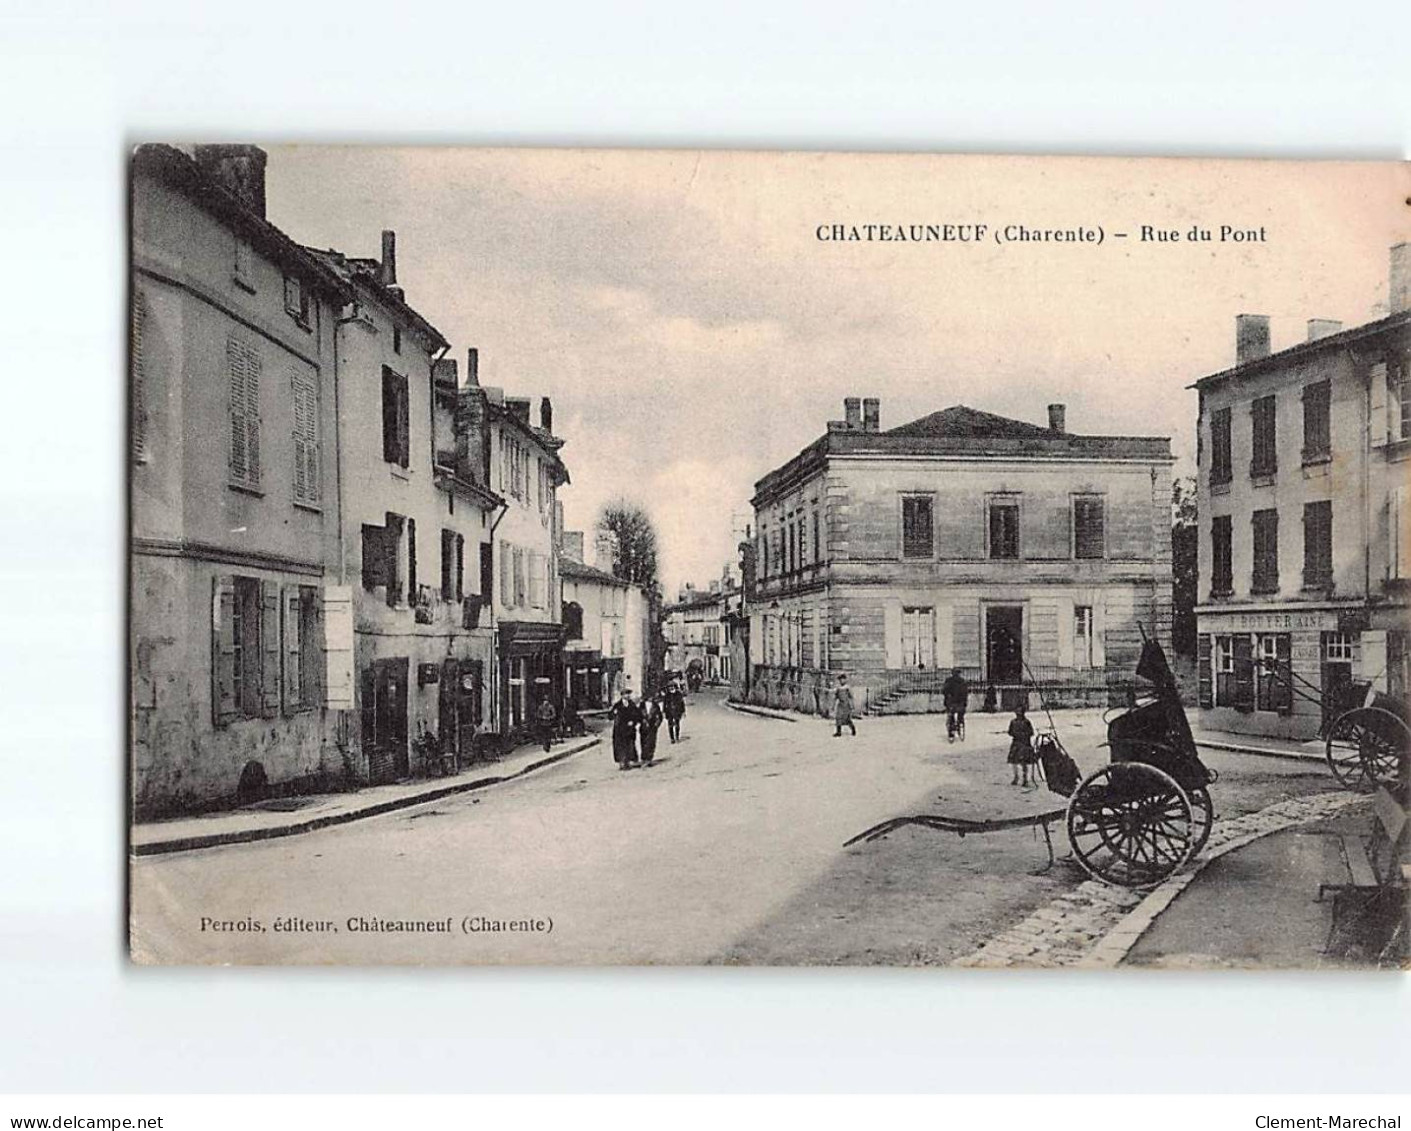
842, 708
1021, 746
673, 707
625, 716
546, 717
647, 730
955, 693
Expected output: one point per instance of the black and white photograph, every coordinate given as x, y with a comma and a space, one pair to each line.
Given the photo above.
601, 557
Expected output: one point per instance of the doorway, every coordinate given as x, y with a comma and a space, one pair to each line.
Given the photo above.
384, 720
1004, 643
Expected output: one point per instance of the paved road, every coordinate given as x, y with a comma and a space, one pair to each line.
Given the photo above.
729, 850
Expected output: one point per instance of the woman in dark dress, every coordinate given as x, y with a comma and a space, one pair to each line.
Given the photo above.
647, 729
625, 715
1021, 746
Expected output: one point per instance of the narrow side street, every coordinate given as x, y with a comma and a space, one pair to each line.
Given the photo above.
728, 850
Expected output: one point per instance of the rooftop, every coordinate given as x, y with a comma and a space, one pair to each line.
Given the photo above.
568, 567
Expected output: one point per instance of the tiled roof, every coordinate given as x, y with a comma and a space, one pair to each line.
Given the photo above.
961, 420
568, 567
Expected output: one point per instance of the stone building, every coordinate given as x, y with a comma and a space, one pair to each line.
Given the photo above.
695, 631
606, 626
415, 517
1023, 555
524, 468
1305, 540
235, 555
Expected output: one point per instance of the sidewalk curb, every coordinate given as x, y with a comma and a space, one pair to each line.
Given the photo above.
274, 832
1261, 751
762, 712
1095, 925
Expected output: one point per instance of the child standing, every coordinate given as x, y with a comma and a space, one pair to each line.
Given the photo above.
1021, 746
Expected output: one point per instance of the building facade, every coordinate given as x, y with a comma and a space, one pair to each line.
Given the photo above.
696, 634
415, 524
605, 625
1305, 540
526, 471
1022, 555
235, 581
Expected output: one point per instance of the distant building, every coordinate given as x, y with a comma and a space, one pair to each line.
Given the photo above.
695, 629
235, 548
1023, 555
1305, 538
605, 624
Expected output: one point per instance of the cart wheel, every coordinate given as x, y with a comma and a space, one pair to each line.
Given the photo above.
1131, 824
1367, 747
1203, 813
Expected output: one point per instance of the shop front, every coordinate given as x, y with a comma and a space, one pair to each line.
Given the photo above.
531, 668
1283, 672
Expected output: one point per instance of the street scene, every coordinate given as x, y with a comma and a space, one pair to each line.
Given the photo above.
561, 558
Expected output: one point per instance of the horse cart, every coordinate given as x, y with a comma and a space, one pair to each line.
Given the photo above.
1134, 821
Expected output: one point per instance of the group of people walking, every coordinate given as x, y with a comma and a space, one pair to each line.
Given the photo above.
635, 724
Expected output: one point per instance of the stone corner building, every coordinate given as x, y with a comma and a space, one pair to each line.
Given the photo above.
1024, 555
1305, 540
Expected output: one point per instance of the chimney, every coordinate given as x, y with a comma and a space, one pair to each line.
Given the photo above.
472, 366
519, 408
239, 169
852, 413
871, 414
387, 268
1056, 418
546, 415
1399, 290
604, 549
1251, 337
1322, 327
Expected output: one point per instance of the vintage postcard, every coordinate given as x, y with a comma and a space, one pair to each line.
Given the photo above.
693, 558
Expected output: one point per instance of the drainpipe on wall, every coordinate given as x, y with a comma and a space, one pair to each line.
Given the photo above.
494, 629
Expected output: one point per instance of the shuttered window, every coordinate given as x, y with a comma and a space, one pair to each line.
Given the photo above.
245, 641
521, 588
1205, 670
1089, 527
1317, 544
308, 467
244, 365
303, 654
413, 594
917, 527
1004, 528
1220, 461
1398, 535
1317, 423
1274, 678
448, 555
1222, 577
538, 580
1265, 525
1242, 676
1265, 442
139, 376
396, 436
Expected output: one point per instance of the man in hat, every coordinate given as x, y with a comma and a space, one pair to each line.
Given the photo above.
625, 717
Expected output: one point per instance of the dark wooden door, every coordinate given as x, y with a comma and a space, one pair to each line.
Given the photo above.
1004, 643
384, 720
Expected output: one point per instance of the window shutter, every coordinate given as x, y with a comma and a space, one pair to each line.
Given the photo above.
1281, 691
1099, 633
411, 562
945, 635
404, 413
252, 416
311, 658
139, 385
1379, 403
293, 692
1203, 670
389, 416
1244, 672
1065, 632
335, 612
269, 647
460, 567
239, 454
892, 625
307, 471
223, 705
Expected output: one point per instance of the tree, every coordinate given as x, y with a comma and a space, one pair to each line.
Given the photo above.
633, 538
1185, 551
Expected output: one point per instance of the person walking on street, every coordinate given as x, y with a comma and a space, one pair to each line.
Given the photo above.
674, 707
625, 716
955, 693
842, 708
1021, 746
545, 719
651, 723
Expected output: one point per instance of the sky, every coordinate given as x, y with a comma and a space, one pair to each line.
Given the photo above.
694, 333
